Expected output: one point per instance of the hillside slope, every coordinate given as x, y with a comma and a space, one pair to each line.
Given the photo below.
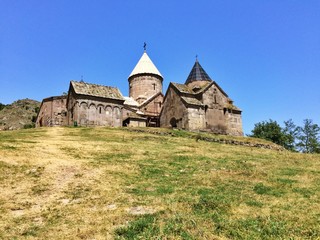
19, 114
104, 183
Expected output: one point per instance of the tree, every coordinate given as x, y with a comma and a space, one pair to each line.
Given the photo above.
270, 131
308, 137
290, 132
2, 106
37, 109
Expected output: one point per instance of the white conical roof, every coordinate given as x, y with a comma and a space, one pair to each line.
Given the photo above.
145, 65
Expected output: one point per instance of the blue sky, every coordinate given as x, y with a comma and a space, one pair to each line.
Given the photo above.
264, 54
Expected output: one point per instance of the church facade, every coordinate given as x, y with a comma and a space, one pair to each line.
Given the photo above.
199, 104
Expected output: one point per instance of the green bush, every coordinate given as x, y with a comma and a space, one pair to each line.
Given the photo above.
29, 125
2, 106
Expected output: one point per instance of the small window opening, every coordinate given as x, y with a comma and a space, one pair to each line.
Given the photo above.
100, 110
196, 88
71, 113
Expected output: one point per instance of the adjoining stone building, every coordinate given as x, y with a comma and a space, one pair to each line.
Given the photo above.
200, 104
53, 112
94, 105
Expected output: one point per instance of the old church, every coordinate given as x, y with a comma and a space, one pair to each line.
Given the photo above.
199, 104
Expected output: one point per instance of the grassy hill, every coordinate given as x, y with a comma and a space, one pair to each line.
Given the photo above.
20, 114
103, 183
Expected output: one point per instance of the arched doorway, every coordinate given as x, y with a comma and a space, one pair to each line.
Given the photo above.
173, 122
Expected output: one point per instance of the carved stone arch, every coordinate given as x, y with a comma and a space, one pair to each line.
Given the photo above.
76, 103
109, 110
83, 113
83, 105
109, 115
92, 114
117, 117
117, 111
92, 104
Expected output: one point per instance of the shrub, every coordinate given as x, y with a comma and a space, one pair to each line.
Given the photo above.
29, 125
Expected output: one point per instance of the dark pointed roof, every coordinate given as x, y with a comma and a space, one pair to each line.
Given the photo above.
197, 74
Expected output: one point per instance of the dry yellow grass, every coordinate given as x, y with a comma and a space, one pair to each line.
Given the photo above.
83, 183
45, 183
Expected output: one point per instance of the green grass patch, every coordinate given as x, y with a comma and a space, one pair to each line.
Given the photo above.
257, 228
142, 228
262, 189
254, 203
8, 147
290, 171
286, 181
305, 192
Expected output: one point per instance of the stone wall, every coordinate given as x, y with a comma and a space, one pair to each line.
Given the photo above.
234, 123
215, 117
214, 138
153, 108
174, 113
137, 123
127, 112
195, 119
53, 112
142, 87
90, 111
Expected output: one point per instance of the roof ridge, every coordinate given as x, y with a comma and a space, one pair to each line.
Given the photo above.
94, 84
150, 98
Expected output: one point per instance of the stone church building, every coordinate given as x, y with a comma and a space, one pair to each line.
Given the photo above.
199, 104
